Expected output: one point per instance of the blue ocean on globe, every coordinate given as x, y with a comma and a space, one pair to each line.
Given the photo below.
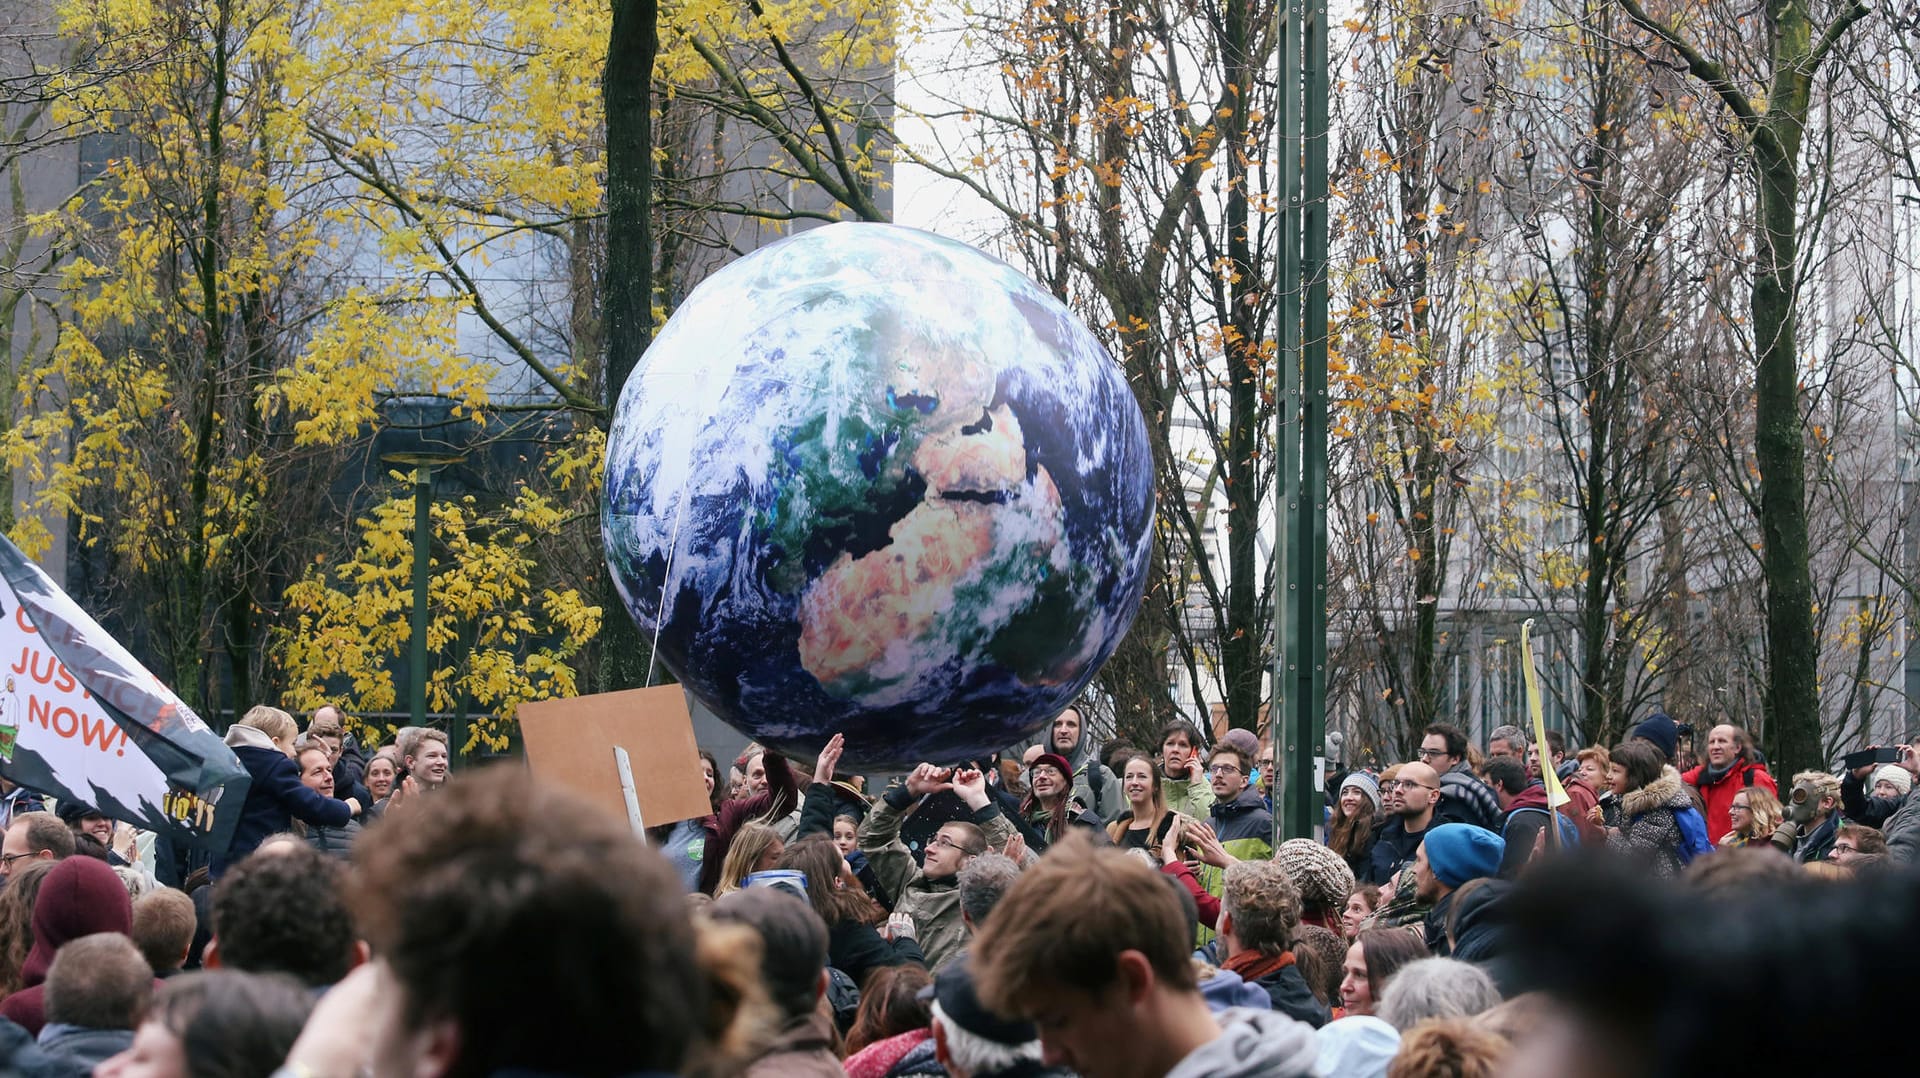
872, 481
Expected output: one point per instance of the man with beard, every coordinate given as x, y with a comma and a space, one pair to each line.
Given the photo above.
1094, 786
1417, 790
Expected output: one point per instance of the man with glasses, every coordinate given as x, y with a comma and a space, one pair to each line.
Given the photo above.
34, 835
1854, 843
930, 893
1240, 818
1417, 790
1464, 798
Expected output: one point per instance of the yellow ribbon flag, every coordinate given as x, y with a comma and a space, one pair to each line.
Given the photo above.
1556, 793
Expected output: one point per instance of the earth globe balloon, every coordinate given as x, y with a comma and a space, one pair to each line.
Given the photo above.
869, 480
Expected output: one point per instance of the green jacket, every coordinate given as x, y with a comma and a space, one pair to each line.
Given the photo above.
1192, 799
934, 905
1245, 828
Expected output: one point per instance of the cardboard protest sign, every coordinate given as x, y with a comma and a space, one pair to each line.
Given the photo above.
82, 720
571, 742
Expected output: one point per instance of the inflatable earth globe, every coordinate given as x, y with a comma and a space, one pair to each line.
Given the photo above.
872, 481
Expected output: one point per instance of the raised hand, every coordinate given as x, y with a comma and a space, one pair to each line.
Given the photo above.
928, 779
1170, 845
1211, 851
971, 785
1016, 848
829, 758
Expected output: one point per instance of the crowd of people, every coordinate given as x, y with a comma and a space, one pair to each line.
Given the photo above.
1110, 911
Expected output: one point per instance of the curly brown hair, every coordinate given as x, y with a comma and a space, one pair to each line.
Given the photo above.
502, 872
1263, 904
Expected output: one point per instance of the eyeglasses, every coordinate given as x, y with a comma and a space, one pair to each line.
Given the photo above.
1431, 754
7, 859
1409, 784
1223, 769
1738, 805
1838, 848
942, 840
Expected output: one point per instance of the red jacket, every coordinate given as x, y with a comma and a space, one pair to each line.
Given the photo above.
1719, 795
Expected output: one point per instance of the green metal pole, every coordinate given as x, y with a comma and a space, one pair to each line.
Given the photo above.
1292, 757
422, 541
1310, 549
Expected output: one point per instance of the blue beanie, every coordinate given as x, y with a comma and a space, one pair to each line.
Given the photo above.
1458, 852
1662, 732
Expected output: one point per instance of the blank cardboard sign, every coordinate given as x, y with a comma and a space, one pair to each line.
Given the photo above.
570, 742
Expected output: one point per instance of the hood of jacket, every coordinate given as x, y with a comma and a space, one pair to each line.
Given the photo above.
1225, 990
1666, 792
1533, 797
249, 737
1252, 1044
79, 897
1248, 801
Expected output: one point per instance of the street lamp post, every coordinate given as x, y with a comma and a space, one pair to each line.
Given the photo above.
423, 465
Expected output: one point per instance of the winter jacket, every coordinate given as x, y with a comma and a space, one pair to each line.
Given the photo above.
1094, 784
1817, 844
1862, 808
856, 950
275, 798
79, 896
1189, 798
1465, 799
1648, 831
1719, 793
1207, 904
1287, 993
82, 1047
1253, 1044
878, 1059
21, 1057
1581, 798
803, 1049
934, 905
350, 772
1080, 818
19, 801
1224, 990
1245, 827
1479, 926
779, 799
1902, 831
1393, 848
334, 841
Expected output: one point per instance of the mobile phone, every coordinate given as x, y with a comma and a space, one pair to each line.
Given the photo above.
1865, 757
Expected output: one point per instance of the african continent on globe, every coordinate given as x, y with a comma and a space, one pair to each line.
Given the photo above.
868, 480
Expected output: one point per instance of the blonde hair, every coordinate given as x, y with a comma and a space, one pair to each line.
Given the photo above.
1597, 753
1764, 810
271, 721
750, 844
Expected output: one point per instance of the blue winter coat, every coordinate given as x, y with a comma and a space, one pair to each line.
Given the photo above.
274, 799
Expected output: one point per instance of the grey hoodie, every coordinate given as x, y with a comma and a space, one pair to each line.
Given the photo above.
1253, 1044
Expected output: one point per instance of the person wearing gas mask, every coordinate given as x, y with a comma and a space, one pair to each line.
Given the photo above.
1813, 817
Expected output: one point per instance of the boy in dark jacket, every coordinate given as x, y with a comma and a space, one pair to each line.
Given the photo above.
263, 740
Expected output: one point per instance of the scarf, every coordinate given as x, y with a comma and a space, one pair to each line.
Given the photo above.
1708, 776
1253, 965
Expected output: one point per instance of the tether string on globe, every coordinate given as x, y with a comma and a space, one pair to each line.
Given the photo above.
666, 581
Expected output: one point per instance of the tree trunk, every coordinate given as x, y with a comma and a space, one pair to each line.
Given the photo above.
1793, 648
625, 658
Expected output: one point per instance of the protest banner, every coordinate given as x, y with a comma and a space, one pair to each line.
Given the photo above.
571, 742
82, 720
